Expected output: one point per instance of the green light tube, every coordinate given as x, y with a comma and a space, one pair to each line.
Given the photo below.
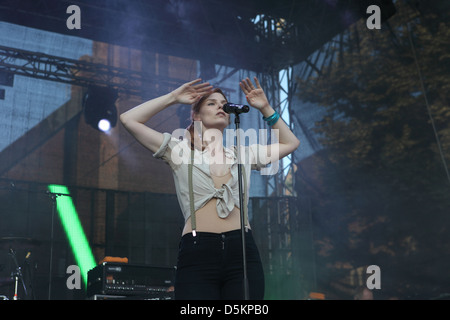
74, 230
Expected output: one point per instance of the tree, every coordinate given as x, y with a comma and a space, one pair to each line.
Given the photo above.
384, 195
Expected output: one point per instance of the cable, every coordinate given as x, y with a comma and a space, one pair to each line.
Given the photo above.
427, 103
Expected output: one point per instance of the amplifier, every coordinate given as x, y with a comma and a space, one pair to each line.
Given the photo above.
149, 282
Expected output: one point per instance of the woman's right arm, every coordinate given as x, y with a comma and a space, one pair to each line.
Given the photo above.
134, 120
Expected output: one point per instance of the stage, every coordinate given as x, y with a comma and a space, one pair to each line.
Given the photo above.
360, 210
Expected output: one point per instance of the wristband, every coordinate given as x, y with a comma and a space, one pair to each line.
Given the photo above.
272, 119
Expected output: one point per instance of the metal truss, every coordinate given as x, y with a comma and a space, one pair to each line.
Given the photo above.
77, 72
279, 84
279, 87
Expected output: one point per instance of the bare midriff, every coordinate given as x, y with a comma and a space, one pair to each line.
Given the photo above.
207, 219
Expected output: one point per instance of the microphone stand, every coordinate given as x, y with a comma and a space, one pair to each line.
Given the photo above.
53, 196
17, 274
241, 205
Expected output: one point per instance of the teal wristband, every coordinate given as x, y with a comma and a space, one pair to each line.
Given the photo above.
272, 119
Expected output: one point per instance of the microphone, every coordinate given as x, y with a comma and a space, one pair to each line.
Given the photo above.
235, 108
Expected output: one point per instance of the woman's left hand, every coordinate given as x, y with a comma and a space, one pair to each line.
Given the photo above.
255, 95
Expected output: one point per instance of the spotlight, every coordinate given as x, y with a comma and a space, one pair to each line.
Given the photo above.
104, 125
99, 108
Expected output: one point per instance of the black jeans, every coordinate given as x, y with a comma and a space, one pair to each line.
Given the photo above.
210, 267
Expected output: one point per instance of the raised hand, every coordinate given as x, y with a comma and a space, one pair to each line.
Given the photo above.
191, 92
255, 94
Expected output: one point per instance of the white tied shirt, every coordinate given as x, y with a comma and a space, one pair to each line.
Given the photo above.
177, 153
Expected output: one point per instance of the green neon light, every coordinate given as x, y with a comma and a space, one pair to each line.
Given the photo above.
74, 231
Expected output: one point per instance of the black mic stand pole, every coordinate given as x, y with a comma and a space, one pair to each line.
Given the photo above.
17, 276
53, 197
50, 271
241, 205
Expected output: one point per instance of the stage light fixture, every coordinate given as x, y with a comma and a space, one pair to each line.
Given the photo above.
99, 107
74, 230
104, 125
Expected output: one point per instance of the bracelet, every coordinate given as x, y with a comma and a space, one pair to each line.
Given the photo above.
272, 119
